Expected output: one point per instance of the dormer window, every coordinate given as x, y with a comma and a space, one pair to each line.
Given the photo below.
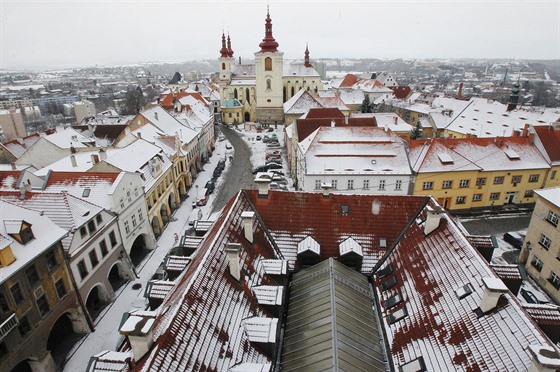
20, 230
464, 291
397, 315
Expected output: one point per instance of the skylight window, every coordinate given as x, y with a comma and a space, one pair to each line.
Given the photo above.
464, 291
383, 244
511, 154
86, 192
385, 271
416, 365
397, 315
445, 158
393, 301
390, 283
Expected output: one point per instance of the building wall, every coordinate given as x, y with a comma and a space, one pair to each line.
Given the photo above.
314, 83
42, 154
84, 109
12, 124
491, 193
534, 251
312, 183
33, 345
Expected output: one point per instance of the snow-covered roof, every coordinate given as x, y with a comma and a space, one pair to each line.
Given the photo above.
300, 103
393, 122
293, 68
552, 195
243, 70
46, 233
486, 154
69, 137
354, 150
66, 211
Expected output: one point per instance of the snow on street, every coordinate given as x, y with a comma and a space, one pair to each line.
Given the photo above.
106, 335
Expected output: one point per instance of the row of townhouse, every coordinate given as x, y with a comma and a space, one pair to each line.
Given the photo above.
104, 220
460, 173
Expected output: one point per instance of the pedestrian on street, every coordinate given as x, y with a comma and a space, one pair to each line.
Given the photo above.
176, 238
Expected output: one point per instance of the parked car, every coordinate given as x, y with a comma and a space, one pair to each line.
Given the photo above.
259, 138
228, 146
278, 178
260, 168
202, 201
217, 172
273, 152
277, 161
265, 139
514, 239
274, 166
270, 130
278, 186
277, 172
273, 156
259, 130
210, 185
529, 296
222, 163
273, 145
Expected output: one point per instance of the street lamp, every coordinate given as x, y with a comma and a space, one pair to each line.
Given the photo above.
196, 191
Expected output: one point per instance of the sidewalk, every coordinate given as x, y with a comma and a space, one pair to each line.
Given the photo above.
106, 335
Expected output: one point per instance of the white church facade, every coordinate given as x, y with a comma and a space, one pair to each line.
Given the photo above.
256, 92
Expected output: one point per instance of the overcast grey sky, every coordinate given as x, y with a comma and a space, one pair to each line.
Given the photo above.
86, 33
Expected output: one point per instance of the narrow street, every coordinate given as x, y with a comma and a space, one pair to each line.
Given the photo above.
239, 175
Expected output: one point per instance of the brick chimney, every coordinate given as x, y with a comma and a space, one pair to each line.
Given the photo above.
73, 160
139, 331
493, 289
433, 219
326, 187
262, 184
233, 250
248, 218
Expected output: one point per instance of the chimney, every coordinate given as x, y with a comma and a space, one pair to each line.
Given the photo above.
326, 187
139, 135
333, 123
396, 119
531, 138
94, 158
262, 185
73, 160
156, 115
233, 250
102, 154
493, 289
433, 219
72, 149
13, 166
516, 133
346, 120
248, 217
139, 331
460, 92
544, 359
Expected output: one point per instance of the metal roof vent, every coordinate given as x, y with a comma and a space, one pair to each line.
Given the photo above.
344, 209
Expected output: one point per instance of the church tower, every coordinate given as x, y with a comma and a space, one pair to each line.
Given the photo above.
269, 65
226, 64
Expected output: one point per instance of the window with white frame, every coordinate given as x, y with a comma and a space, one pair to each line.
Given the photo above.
494, 196
447, 184
317, 184
553, 218
498, 180
350, 184
555, 280
334, 184
481, 181
140, 215
545, 241
381, 184
529, 193
537, 264
477, 197
129, 196
122, 202
460, 200
428, 185
534, 178
133, 218
126, 227
366, 184
398, 185
464, 183
515, 179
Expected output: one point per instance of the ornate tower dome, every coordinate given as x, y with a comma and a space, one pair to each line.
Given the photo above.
269, 44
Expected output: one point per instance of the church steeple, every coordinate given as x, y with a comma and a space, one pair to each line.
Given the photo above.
268, 44
306, 60
224, 50
229, 50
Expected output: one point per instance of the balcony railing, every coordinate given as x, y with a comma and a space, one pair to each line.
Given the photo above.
8, 325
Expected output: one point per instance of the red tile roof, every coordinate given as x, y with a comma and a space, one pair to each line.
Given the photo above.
9, 178
73, 177
544, 314
439, 326
550, 138
401, 92
324, 113
168, 101
307, 126
322, 219
348, 81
